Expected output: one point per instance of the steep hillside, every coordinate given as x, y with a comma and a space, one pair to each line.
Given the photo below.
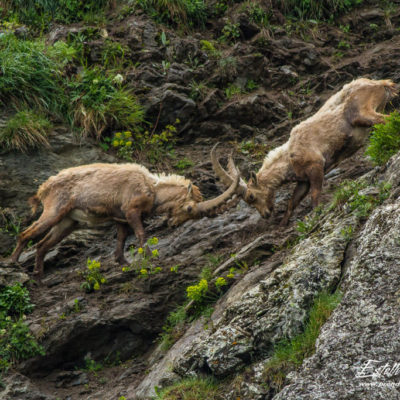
223, 307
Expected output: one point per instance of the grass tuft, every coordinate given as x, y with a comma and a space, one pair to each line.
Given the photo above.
24, 131
192, 389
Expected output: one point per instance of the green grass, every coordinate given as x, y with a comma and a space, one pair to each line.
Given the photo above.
25, 130
384, 141
290, 354
38, 14
192, 389
29, 77
182, 13
351, 194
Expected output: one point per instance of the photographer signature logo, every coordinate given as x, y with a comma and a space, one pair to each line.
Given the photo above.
378, 370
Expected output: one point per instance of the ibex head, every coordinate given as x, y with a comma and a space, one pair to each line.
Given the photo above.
192, 206
254, 193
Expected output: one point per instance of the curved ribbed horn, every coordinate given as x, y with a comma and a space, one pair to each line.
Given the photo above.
224, 177
242, 187
207, 206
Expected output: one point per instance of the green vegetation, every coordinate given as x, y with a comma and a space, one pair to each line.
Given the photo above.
192, 389
16, 341
29, 77
385, 140
289, 354
99, 102
39, 14
93, 277
355, 195
315, 9
25, 130
230, 32
179, 13
144, 259
184, 163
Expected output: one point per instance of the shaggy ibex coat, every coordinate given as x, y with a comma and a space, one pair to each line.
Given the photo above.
95, 193
317, 144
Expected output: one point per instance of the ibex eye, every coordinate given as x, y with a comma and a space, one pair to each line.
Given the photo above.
189, 209
252, 197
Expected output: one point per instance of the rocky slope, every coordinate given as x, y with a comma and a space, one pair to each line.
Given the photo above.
295, 70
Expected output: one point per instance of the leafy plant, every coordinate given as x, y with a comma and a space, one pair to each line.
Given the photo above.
144, 260
25, 130
210, 49
230, 32
93, 277
232, 91
16, 341
15, 301
197, 90
289, 354
184, 163
384, 141
99, 102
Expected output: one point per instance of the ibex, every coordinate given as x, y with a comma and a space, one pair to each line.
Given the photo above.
96, 193
316, 145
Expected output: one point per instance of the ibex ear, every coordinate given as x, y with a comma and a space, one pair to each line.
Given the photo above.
190, 190
253, 177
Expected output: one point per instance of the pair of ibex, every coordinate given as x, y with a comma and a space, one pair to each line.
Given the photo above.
124, 193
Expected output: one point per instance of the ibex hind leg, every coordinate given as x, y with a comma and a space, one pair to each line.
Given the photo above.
56, 234
38, 228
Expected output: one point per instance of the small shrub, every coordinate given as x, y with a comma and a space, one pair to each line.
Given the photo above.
230, 32
25, 130
192, 389
93, 277
16, 341
144, 260
384, 141
15, 300
99, 102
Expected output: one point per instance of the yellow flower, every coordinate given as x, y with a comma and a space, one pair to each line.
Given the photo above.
155, 253
230, 276
115, 143
140, 250
123, 269
121, 143
143, 271
128, 144
127, 134
103, 280
96, 286
118, 135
